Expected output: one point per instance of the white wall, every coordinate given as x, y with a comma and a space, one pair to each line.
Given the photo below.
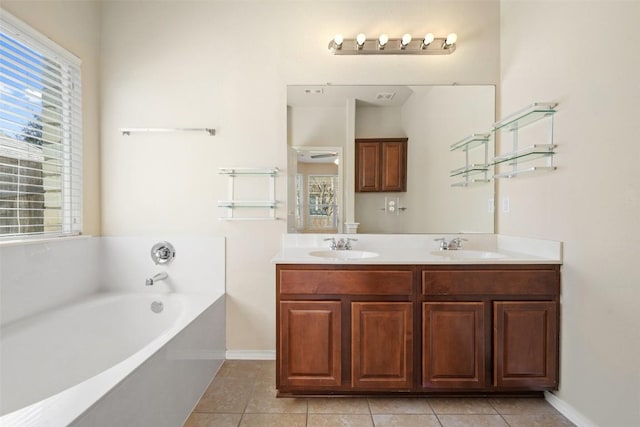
226, 64
584, 55
75, 25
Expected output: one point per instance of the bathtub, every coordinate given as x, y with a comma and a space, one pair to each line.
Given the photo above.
112, 359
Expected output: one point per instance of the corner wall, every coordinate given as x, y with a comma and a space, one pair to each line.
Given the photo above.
583, 54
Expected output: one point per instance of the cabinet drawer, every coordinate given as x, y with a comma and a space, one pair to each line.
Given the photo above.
346, 282
491, 282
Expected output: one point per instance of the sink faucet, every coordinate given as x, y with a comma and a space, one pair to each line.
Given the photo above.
343, 244
156, 278
453, 245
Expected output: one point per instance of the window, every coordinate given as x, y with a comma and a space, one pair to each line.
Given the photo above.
40, 134
322, 196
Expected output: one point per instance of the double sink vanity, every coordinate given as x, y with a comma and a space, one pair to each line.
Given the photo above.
395, 314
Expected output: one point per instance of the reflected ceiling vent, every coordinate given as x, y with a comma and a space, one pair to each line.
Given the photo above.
314, 91
385, 96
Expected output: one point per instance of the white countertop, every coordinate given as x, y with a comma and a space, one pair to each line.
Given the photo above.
422, 249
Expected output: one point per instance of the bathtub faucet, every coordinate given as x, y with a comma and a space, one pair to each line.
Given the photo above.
156, 278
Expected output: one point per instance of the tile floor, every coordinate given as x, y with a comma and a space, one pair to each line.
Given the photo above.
243, 394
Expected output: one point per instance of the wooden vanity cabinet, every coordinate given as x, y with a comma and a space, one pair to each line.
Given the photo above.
381, 165
344, 329
382, 345
419, 329
492, 328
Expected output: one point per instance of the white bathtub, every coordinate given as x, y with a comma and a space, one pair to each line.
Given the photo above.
111, 360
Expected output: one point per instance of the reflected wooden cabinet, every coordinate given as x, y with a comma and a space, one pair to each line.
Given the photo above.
381, 165
382, 345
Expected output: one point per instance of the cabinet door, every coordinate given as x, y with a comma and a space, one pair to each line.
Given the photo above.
453, 345
526, 344
309, 344
368, 166
394, 166
382, 345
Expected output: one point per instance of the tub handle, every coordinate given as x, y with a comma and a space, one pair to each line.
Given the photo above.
163, 253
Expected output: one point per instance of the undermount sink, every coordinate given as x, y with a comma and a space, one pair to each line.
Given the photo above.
346, 254
468, 254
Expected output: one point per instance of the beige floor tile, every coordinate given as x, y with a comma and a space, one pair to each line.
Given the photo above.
399, 405
244, 369
507, 405
225, 395
268, 404
472, 421
538, 420
338, 405
442, 405
213, 420
344, 420
273, 420
411, 420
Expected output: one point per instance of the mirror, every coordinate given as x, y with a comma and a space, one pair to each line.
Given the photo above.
323, 122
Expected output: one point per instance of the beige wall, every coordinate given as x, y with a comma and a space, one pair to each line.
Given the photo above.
75, 25
226, 64
585, 56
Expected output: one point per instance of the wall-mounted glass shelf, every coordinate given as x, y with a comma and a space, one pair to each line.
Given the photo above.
232, 203
248, 171
247, 204
528, 115
247, 219
471, 142
472, 169
532, 169
470, 182
526, 154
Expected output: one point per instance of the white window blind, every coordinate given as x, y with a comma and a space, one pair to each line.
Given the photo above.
40, 134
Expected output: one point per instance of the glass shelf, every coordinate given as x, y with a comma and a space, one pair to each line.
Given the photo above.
248, 171
472, 169
247, 204
526, 154
532, 169
526, 116
470, 182
470, 142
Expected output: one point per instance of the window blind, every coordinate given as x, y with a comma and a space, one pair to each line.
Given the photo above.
40, 134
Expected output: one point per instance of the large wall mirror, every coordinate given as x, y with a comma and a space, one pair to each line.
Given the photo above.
323, 122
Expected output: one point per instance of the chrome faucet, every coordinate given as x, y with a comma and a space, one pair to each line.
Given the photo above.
343, 244
156, 278
453, 245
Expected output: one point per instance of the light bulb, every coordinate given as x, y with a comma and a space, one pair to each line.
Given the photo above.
383, 39
428, 39
337, 40
360, 39
451, 39
406, 39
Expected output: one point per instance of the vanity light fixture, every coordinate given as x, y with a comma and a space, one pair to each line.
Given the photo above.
383, 45
406, 39
337, 41
382, 41
428, 39
450, 41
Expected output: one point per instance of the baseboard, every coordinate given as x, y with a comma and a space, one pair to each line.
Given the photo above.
568, 411
251, 354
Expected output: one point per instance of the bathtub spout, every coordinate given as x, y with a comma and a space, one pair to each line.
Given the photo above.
156, 278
